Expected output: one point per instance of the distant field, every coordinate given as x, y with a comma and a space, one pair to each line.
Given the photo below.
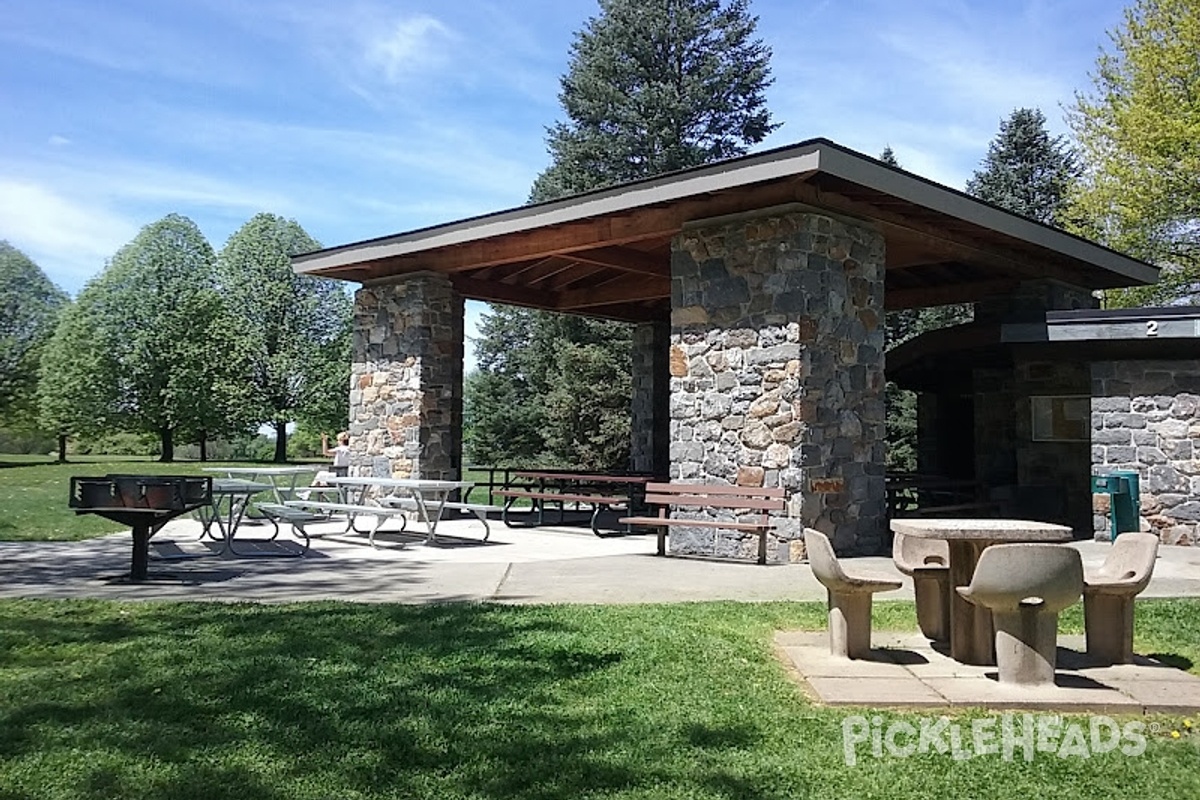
33, 492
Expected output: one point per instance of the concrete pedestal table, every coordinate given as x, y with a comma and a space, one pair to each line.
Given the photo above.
972, 640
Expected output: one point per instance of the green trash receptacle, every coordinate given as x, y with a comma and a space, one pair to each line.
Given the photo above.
1124, 493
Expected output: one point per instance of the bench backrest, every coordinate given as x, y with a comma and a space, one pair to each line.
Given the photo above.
704, 495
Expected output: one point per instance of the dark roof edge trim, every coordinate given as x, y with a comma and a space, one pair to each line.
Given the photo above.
793, 161
853, 167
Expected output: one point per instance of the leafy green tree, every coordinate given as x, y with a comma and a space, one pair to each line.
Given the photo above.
77, 390
29, 308
292, 330
655, 86
143, 348
888, 156
1139, 131
1026, 170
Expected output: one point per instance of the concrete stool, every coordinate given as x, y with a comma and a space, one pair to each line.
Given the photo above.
849, 597
1025, 586
927, 562
1108, 593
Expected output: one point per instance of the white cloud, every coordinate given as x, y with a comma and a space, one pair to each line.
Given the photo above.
406, 46
58, 141
69, 240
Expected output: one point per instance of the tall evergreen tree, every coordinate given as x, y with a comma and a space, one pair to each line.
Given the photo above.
29, 307
292, 330
1026, 170
1138, 130
653, 86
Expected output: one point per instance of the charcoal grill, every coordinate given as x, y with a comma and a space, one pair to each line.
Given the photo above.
143, 502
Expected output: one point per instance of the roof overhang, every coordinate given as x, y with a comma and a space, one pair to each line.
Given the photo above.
607, 252
945, 360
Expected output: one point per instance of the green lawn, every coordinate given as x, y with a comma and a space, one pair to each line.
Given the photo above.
33, 494
176, 701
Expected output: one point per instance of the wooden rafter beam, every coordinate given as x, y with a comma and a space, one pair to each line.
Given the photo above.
616, 292
625, 259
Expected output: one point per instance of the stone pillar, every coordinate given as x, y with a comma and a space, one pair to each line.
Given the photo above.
776, 369
406, 379
650, 422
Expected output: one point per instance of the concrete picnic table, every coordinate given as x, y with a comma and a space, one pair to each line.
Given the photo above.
972, 640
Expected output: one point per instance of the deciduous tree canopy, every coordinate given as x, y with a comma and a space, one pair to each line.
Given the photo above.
292, 331
29, 307
1139, 131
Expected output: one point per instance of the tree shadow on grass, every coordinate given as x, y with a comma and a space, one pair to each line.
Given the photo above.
188, 701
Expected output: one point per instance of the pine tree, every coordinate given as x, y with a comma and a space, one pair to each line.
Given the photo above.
653, 86
1027, 170
656, 86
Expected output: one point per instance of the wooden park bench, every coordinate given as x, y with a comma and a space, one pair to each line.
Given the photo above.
723, 500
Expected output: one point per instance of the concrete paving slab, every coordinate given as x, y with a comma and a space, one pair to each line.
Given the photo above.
904, 670
1161, 696
890, 692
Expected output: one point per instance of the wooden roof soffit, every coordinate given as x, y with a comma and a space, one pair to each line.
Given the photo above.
600, 240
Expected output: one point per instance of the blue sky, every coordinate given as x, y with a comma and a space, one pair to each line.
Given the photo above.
362, 119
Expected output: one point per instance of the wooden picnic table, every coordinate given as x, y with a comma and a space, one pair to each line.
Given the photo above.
560, 488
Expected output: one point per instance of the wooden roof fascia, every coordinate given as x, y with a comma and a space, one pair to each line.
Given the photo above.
595, 235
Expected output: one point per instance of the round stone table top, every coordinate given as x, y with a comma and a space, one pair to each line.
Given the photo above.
993, 530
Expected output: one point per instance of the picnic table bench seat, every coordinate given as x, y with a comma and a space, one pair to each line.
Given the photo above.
480, 510
351, 511
297, 518
711, 497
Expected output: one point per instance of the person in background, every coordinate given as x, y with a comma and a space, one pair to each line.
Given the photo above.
339, 454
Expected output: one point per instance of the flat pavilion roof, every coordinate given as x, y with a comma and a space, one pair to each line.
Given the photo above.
607, 253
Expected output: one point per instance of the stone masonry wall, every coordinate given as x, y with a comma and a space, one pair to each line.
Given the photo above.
1146, 417
406, 379
776, 369
648, 418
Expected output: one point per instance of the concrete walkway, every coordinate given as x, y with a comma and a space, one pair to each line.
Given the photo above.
544, 565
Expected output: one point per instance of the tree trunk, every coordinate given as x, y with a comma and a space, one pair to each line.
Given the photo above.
203, 446
280, 441
168, 445
62, 448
